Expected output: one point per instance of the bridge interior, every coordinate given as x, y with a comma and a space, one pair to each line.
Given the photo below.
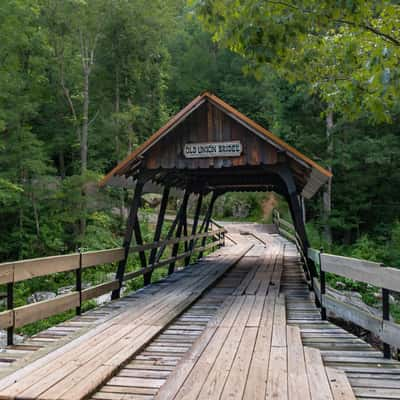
240, 324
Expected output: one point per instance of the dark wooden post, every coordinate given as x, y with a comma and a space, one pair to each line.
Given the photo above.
323, 287
158, 230
194, 226
207, 220
179, 229
169, 234
386, 317
128, 237
139, 240
78, 309
10, 306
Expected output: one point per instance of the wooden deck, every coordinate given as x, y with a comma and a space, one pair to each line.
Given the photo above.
240, 324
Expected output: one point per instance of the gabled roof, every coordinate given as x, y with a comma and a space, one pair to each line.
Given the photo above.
318, 175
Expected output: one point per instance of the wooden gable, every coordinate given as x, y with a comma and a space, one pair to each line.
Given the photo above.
208, 124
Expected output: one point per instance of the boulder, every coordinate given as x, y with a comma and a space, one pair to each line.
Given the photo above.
40, 296
65, 290
340, 285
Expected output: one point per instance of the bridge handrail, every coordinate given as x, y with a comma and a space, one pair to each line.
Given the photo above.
372, 273
287, 230
17, 271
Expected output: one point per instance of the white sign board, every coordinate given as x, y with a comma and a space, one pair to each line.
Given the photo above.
213, 149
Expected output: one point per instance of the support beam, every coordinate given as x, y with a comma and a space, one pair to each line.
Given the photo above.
182, 218
207, 218
194, 226
157, 233
169, 234
139, 241
128, 237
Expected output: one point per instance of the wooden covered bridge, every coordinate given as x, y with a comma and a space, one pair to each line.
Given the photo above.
246, 321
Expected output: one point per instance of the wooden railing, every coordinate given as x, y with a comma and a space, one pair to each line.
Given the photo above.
376, 274
13, 272
287, 230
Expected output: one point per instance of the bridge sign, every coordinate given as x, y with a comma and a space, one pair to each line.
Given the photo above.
213, 149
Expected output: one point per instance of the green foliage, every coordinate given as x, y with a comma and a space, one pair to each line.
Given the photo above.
347, 51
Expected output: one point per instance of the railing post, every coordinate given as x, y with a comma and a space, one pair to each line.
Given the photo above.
78, 309
10, 306
323, 286
157, 233
207, 221
182, 215
386, 317
132, 219
194, 227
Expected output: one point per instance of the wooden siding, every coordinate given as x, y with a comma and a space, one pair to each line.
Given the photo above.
209, 124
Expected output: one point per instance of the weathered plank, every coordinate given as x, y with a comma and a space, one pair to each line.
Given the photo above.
99, 290
92, 258
340, 385
362, 271
38, 311
28, 269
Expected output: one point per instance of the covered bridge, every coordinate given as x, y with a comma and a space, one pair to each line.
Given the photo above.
247, 321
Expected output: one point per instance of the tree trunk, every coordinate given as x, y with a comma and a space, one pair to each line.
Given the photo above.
130, 130
85, 121
118, 145
61, 162
327, 193
36, 215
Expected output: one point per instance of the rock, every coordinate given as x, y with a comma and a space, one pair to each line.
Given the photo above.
378, 296
65, 290
110, 276
355, 295
353, 298
40, 296
340, 285
152, 199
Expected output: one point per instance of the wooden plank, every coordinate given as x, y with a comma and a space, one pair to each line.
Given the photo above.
317, 289
38, 311
6, 319
279, 328
313, 255
236, 381
317, 378
28, 269
287, 225
100, 289
214, 383
362, 271
298, 387
208, 338
93, 258
340, 385
256, 385
353, 314
391, 333
277, 384
6, 272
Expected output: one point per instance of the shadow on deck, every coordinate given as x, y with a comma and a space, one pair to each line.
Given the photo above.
240, 324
